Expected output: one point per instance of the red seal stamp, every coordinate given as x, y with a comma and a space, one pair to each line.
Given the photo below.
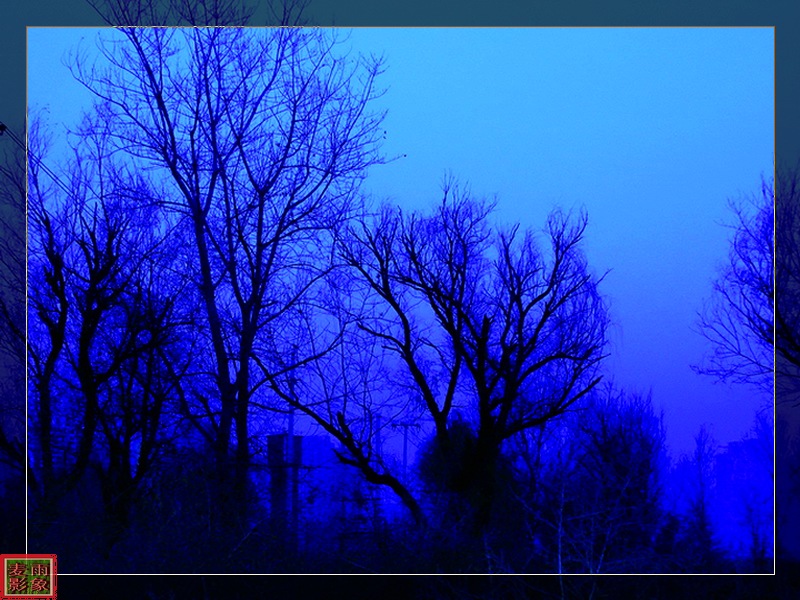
28, 576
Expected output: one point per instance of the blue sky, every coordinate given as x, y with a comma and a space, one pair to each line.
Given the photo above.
651, 130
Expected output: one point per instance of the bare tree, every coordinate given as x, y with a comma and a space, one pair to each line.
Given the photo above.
484, 320
51, 236
738, 320
101, 330
787, 282
756, 498
12, 304
702, 547
12, 340
199, 13
260, 139
323, 369
594, 501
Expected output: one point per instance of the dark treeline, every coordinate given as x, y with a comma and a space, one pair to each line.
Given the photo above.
453, 587
206, 282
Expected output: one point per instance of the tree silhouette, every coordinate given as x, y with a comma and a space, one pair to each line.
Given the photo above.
12, 334
702, 551
595, 498
101, 330
787, 282
738, 320
12, 305
257, 140
484, 319
205, 13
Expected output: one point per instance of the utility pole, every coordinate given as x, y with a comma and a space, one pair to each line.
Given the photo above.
292, 460
405, 425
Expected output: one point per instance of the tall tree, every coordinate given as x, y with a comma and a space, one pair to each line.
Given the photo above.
258, 140
787, 283
484, 320
12, 305
12, 339
738, 319
101, 329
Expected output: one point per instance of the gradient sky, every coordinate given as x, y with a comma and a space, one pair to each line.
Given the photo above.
651, 130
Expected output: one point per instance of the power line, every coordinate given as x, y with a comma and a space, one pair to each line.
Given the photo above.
56, 179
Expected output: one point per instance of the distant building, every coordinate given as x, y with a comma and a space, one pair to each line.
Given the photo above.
314, 497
